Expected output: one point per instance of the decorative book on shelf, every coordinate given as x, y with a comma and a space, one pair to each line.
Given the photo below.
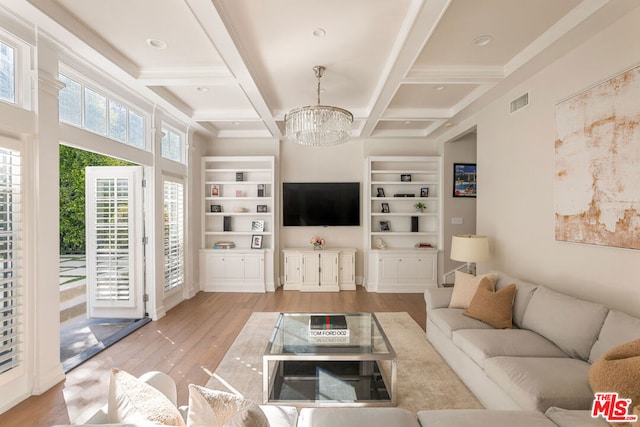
224, 245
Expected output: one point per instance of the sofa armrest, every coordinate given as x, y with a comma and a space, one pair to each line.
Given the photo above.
437, 297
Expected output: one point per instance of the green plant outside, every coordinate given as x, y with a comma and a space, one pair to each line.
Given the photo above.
72, 200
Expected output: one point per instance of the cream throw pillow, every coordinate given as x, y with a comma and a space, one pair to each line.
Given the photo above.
465, 287
214, 408
136, 402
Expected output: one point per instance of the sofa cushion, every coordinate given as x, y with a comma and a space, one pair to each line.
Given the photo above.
524, 292
618, 370
452, 319
618, 328
572, 324
482, 418
574, 418
280, 416
133, 401
537, 383
214, 408
482, 344
465, 287
493, 308
348, 417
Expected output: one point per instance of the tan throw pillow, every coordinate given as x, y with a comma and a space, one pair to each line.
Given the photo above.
618, 370
136, 402
465, 287
493, 308
214, 408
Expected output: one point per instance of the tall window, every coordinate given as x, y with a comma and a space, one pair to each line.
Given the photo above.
90, 109
173, 235
10, 254
172, 145
7, 73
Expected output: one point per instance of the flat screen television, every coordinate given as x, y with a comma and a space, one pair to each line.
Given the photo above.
320, 203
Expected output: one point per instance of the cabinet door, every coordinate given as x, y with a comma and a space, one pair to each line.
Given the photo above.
389, 269
253, 267
407, 268
215, 267
329, 268
311, 269
234, 267
291, 269
427, 267
347, 269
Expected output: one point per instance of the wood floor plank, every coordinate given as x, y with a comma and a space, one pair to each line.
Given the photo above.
188, 343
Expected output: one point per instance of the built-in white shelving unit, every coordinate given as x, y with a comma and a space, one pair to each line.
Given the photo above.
395, 228
239, 207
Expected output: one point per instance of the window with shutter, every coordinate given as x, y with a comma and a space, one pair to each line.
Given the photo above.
173, 235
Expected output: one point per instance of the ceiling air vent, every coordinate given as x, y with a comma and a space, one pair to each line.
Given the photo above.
520, 102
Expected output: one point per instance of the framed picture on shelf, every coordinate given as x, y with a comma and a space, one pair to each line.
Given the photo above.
405, 177
239, 176
464, 179
215, 190
257, 225
260, 190
380, 192
424, 192
216, 208
256, 241
261, 208
385, 226
385, 208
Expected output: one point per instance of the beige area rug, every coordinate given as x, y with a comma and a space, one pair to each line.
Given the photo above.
424, 380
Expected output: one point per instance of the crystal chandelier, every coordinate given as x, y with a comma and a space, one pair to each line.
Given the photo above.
318, 124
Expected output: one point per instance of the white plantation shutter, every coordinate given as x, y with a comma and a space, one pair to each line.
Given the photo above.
10, 257
173, 235
115, 262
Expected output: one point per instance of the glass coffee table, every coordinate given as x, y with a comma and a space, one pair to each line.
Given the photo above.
352, 366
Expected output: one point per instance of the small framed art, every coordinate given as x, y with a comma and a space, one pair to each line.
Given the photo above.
261, 208
380, 192
257, 225
256, 241
215, 190
385, 226
385, 208
424, 192
405, 177
464, 179
216, 208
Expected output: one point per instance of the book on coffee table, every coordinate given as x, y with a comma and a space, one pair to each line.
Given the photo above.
328, 326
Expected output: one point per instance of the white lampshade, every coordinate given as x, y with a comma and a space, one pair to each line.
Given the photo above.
469, 248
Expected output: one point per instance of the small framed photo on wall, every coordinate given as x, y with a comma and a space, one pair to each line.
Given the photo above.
464, 179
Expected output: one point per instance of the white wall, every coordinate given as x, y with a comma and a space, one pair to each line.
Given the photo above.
516, 160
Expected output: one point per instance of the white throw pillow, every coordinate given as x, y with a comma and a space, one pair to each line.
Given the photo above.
214, 408
465, 287
136, 402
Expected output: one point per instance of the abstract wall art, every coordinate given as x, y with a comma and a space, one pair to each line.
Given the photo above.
597, 164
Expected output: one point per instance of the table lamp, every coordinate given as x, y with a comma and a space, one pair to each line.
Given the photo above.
469, 248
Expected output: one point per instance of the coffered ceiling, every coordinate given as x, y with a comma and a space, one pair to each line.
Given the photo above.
404, 68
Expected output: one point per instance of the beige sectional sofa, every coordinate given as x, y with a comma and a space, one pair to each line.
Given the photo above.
543, 361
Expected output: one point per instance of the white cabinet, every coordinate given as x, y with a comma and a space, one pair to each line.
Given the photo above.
405, 271
326, 270
232, 270
238, 210
403, 240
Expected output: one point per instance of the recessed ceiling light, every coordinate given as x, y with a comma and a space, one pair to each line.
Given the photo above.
441, 87
482, 40
319, 32
157, 44
202, 89
448, 124
407, 122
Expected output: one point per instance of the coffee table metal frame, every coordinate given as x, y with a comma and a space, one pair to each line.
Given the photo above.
379, 349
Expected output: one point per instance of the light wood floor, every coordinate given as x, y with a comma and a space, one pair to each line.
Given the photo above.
188, 343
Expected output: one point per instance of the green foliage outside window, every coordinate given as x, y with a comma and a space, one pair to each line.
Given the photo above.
72, 202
